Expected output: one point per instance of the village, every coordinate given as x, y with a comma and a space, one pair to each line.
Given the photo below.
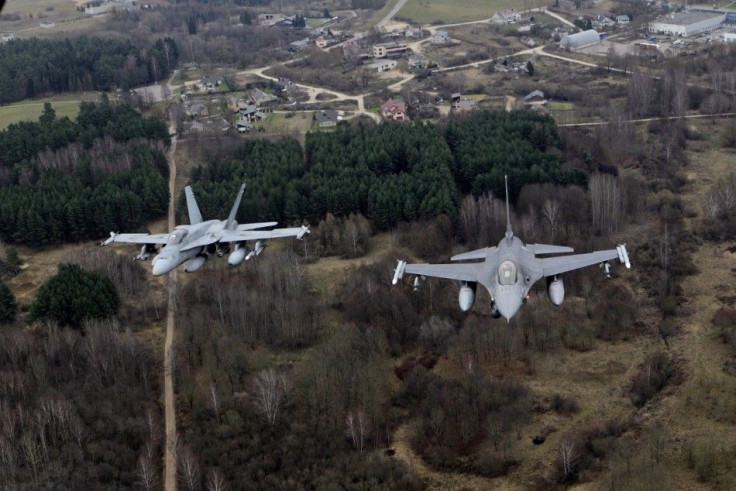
407, 71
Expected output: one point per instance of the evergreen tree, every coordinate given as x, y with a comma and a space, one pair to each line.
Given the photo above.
8, 305
74, 294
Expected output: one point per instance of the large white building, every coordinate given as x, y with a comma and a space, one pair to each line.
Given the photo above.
580, 40
687, 23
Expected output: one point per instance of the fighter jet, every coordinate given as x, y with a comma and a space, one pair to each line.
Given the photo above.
509, 270
196, 242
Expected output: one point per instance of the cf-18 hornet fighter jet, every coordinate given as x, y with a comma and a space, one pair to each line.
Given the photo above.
196, 242
510, 269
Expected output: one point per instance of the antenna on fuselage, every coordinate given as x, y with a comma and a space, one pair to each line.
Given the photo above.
509, 232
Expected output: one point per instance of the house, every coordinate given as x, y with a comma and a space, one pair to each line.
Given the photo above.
622, 20
285, 84
507, 16
388, 50
566, 4
243, 125
410, 32
260, 97
326, 118
195, 108
296, 46
209, 83
534, 98
418, 62
383, 65
394, 110
455, 96
320, 42
440, 37
249, 112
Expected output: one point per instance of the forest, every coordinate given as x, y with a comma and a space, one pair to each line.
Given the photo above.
35, 67
66, 180
389, 173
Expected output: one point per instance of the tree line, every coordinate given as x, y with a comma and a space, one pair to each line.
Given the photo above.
69, 180
389, 173
33, 67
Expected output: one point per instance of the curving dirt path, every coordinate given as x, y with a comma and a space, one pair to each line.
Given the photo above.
169, 406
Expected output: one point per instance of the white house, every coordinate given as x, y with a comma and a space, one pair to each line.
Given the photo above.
440, 37
622, 20
383, 65
507, 16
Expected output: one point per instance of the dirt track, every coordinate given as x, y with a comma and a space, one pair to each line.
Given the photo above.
169, 406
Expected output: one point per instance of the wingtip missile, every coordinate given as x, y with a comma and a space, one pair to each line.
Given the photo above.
399, 272
109, 241
305, 230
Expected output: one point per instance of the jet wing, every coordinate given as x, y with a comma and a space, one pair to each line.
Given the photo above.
241, 235
251, 226
138, 238
556, 265
461, 272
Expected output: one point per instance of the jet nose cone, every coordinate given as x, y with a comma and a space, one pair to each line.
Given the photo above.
162, 265
508, 305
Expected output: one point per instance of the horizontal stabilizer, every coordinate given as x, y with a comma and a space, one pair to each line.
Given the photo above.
549, 249
477, 254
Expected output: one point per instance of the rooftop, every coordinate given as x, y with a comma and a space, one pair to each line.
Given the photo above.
687, 18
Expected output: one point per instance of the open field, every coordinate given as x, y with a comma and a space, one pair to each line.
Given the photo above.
64, 105
32, 12
443, 12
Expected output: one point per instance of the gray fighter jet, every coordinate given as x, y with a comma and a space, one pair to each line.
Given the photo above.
196, 242
509, 270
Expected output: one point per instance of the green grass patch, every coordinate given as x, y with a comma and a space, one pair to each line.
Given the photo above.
448, 12
560, 106
30, 110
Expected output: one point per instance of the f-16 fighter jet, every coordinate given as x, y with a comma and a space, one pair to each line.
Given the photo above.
510, 269
193, 244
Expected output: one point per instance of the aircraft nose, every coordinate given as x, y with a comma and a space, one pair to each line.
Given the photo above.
162, 265
508, 305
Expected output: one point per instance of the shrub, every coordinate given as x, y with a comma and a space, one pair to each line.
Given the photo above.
653, 375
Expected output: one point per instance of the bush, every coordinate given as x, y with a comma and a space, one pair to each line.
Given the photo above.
653, 375
564, 404
8, 305
73, 295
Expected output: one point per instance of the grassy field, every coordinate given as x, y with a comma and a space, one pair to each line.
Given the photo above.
64, 105
444, 12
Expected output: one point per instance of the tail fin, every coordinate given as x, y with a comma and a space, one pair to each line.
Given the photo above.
230, 224
509, 232
195, 216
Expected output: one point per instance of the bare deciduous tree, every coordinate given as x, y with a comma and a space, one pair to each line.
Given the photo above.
551, 213
216, 481
188, 467
270, 390
606, 203
147, 473
568, 457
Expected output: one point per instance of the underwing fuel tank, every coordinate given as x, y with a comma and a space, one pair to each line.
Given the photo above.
466, 297
237, 256
556, 290
195, 263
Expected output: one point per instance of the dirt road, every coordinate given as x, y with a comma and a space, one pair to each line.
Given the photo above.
169, 406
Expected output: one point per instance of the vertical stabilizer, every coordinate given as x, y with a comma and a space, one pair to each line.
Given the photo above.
509, 232
230, 224
195, 216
